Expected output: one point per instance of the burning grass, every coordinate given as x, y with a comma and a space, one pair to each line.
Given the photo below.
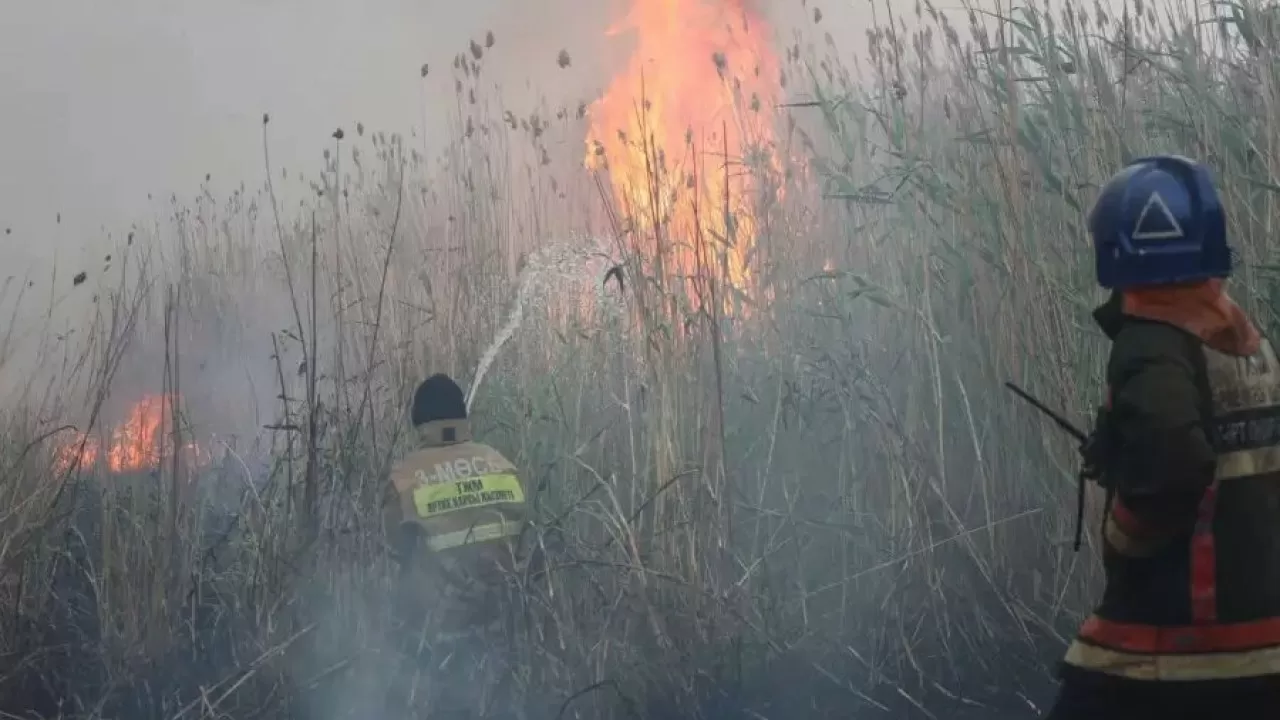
139, 443
687, 137
823, 507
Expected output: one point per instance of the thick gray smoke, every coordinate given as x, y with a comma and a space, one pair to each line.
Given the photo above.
120, 116
113, 110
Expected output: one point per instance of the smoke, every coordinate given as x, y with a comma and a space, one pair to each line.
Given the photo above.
119, 114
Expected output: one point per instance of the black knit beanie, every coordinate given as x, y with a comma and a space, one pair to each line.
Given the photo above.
438, 398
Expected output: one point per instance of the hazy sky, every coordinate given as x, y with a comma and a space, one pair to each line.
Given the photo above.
105, 102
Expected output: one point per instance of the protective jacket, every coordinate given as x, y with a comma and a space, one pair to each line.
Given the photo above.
1192, 534
454, 511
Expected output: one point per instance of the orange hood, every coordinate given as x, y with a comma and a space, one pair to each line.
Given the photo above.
1201, 308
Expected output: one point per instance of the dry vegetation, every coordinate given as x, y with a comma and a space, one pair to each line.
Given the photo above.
821, 505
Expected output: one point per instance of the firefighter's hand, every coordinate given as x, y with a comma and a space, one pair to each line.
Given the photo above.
1091, 466
1095, 450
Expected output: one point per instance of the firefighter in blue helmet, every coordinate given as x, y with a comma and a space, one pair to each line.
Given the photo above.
1188, 449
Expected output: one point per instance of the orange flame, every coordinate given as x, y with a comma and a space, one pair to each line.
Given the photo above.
701, 85
141, 442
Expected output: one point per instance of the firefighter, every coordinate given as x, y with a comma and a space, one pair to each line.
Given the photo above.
1188, 448
454, 512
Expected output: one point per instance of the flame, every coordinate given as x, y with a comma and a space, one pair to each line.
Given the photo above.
701, 85
141, 442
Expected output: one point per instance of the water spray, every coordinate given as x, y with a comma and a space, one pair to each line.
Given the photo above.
568, 262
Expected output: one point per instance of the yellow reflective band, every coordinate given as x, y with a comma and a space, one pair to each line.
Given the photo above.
439, 498
1206, 666
1248, 463
477, 534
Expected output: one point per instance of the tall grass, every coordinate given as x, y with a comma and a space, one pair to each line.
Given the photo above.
819, 504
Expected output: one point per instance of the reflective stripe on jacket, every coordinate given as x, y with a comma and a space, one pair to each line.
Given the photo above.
460, 492
1192, 537
455, 510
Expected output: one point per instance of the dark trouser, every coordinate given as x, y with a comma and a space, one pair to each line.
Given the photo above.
1093, 696
451, 656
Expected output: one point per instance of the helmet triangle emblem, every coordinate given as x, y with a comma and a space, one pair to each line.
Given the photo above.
1156, 222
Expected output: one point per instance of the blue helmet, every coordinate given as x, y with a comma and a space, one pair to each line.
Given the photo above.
1159, 221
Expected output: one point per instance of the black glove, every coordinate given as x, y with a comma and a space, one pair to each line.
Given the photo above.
1096, 449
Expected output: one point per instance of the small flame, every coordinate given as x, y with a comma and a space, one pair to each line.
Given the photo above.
701, 86
141, 442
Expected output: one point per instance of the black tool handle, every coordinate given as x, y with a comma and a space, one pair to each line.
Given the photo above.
1060, 421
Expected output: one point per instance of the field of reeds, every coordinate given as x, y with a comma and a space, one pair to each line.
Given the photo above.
808, 496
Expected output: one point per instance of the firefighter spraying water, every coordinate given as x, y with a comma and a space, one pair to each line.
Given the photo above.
1188, 450
454, 512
